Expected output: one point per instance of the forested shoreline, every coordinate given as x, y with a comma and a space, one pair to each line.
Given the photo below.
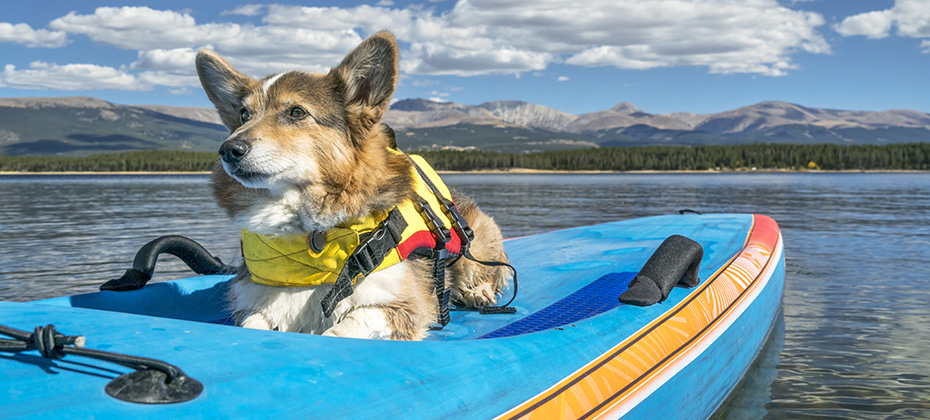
911, 156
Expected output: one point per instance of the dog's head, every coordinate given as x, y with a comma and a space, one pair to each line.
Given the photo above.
294, 129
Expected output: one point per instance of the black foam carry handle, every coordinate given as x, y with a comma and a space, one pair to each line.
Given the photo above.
675, 261
143, 265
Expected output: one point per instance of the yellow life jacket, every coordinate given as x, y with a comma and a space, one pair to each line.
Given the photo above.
360, 246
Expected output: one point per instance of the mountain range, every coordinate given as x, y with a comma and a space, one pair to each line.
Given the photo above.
85, 125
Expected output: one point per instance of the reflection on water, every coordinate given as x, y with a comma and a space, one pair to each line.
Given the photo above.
750, 397
856, 328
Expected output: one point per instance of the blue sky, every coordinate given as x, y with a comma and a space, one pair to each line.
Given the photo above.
661, 55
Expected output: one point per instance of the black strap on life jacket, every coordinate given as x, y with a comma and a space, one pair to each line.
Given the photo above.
370, 253
443, 293
438, 254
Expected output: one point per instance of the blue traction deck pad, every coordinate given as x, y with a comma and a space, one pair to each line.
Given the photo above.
598, 297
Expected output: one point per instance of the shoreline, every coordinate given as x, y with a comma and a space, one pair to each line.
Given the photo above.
514, 171
106, 173
683, 171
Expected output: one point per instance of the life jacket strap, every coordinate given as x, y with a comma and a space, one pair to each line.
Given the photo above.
441, 232
369, 254
443, 293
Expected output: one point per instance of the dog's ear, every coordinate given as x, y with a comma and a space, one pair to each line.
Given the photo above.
224, 86
369, 77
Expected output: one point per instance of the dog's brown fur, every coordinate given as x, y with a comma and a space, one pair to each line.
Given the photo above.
308, 174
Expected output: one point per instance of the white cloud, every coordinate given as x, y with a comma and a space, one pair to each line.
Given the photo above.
475, 37
143, 28
911, 17
629, 57
22, 33
168, 40
275, 48
42, 75
438, 99
163, 78
158, 59
171, 68
493, 37
728, 37
871, 24
436, 59
564, 78
925, 47
245, 10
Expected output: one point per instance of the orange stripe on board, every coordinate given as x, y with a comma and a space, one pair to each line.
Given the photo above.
630, 365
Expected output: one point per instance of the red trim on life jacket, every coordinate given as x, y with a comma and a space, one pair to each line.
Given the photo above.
455, 244
425, 239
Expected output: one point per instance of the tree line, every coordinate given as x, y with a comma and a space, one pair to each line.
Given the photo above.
136, 161
911, 156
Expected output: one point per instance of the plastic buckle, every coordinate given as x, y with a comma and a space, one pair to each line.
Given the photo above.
467, 233
458, 221
364, 265
365, 257
433, 222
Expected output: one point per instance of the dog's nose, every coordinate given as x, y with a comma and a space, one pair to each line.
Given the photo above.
233, 150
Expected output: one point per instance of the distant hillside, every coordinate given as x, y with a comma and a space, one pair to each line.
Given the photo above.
627, 125
771, 114
207, 115
83, 126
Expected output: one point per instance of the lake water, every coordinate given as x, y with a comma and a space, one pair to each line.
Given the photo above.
853, 340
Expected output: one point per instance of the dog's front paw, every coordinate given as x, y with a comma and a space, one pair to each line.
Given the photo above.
332, 332
362, 323
477, 297
256, 321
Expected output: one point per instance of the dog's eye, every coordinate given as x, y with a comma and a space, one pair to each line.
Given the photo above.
297, 113
244, 115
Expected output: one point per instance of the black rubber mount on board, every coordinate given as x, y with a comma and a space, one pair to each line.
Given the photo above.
151, 386
676, 261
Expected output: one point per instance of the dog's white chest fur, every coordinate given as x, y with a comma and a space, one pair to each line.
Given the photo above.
299, 309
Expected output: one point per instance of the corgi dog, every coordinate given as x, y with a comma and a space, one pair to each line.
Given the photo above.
307, 152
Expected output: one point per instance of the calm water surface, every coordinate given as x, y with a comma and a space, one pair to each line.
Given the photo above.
853, 340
